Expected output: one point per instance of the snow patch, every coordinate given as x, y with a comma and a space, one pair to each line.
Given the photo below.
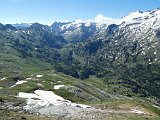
40, 85
19, 82
88, 24
28, 78
52, 83
3, 78
48, 96
137, 111
41, 98
56, 87
156, 59
143, 53
1, 88
38, 76
27, 95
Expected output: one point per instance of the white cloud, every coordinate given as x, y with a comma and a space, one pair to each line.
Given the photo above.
100, 18
105, 20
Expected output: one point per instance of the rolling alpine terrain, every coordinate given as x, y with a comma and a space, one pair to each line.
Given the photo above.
81, 70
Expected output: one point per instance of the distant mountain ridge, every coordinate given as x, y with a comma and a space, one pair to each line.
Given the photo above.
82, 30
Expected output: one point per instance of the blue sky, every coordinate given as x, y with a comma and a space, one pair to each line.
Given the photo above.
48, 11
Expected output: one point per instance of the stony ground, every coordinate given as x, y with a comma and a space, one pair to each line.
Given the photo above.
83, 115
71, 113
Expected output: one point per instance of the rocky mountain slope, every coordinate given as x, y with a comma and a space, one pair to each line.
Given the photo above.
77, 31
127, 53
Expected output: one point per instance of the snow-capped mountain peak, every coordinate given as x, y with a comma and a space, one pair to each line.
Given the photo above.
22, 25
139, 17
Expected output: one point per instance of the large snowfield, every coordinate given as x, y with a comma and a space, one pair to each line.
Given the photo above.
41, 98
